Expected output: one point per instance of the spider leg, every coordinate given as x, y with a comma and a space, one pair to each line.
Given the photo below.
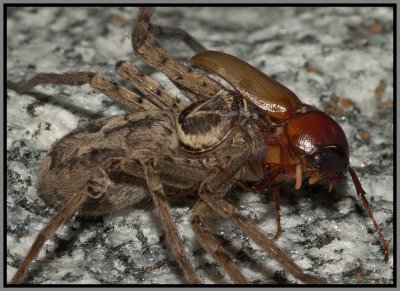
213, 246
171, 232
150, 88
228, 211
48, 232
194, 85
70, 79
215, 187
174, 32
93, 189
268, 181
100, 82
219, 183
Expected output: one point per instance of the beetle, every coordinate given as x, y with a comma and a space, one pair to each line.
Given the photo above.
301, 140
267, 124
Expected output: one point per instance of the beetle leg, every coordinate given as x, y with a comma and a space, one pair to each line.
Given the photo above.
212, 192
172, 234
212, 246
234, 180
266, 183
219, 183
277, 199
194, 85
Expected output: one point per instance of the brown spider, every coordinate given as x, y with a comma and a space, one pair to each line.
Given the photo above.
100, 82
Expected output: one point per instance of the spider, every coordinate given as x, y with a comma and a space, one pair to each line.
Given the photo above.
171, 97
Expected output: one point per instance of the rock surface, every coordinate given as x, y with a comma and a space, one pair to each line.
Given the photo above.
338, 59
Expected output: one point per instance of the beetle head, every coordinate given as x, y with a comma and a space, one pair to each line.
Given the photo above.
322, 143
312, 134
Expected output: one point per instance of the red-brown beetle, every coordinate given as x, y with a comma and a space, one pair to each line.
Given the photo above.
302, 141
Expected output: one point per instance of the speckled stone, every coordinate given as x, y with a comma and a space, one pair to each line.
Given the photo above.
338, 59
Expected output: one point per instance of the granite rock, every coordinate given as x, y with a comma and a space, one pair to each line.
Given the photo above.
338, 59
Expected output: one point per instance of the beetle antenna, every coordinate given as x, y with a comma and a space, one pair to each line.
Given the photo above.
361, 193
